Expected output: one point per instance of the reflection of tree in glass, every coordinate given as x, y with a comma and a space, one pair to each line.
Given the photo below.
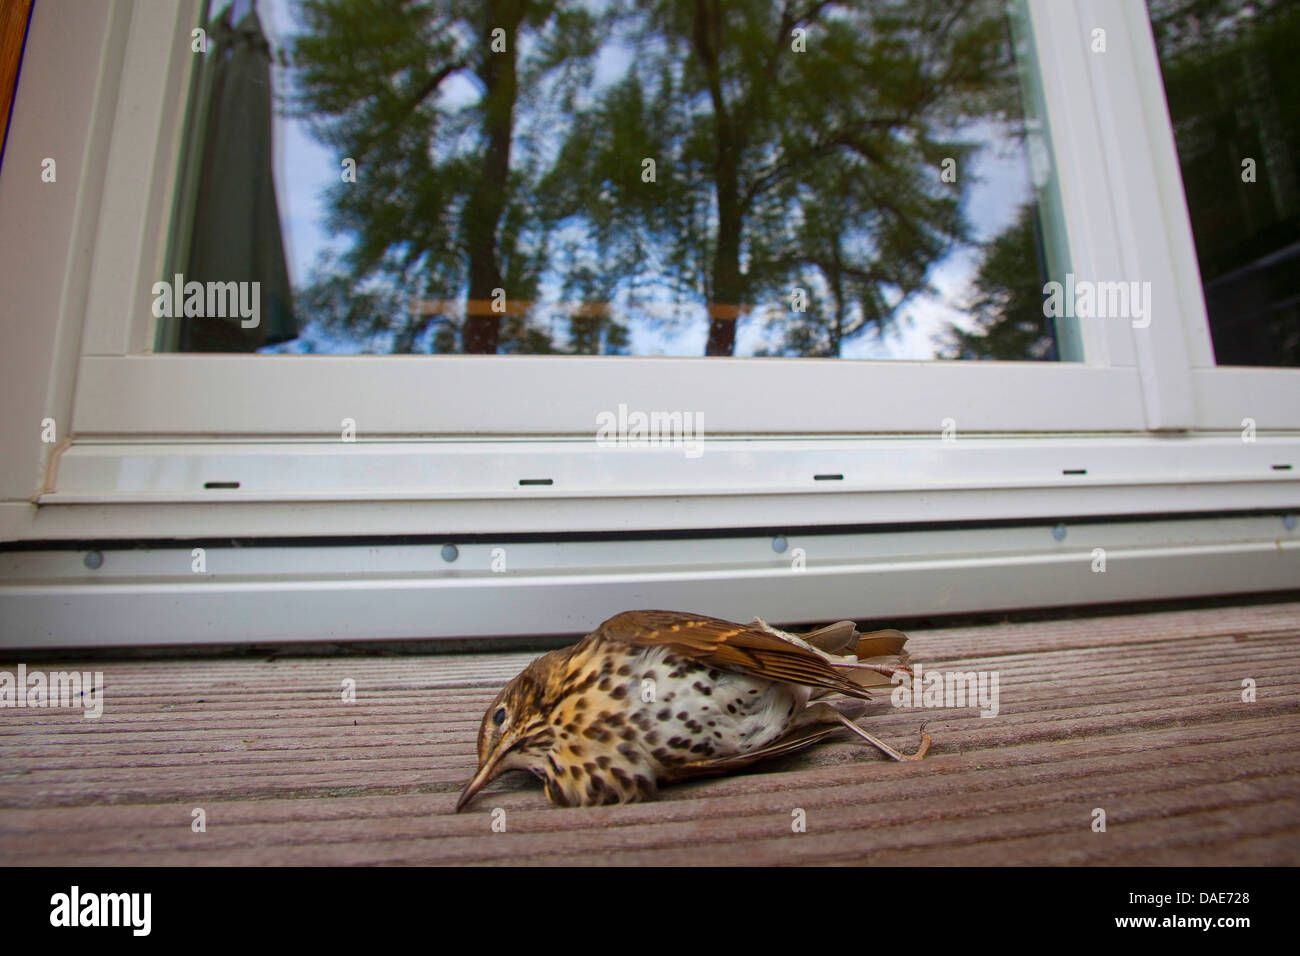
1232, 88
793, 145
425, 98
361, 314
1008, 302
780, 168
593, 329
866, 239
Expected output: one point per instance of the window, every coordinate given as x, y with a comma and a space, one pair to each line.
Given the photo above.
1230, 81
854, 180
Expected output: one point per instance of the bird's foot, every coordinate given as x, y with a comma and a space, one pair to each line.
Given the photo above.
920, 752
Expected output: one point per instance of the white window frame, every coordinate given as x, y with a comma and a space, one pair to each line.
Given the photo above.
1151, 210
119, 380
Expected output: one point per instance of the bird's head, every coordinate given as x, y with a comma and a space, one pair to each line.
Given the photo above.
514, 731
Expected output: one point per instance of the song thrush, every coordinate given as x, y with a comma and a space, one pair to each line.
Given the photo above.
654, 697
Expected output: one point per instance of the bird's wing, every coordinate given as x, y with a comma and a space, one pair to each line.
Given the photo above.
837, 638
880, 644
729, 646
881, 649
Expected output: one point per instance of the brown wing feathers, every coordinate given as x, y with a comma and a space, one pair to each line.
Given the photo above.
737, 647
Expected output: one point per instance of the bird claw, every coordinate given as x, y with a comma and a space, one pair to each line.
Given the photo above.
922, 750
884, 748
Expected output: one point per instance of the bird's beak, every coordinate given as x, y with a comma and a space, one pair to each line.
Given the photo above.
491, 767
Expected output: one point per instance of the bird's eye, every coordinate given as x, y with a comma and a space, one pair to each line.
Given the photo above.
499, 717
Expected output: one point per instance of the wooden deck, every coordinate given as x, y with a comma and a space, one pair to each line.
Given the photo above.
1141, 715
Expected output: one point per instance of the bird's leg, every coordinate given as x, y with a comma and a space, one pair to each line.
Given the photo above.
884, 747
888, 670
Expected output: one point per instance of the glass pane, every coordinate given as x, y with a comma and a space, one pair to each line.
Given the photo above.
1230, 79
860, 180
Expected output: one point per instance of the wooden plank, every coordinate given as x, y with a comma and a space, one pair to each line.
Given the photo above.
14, 17
1141, 715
